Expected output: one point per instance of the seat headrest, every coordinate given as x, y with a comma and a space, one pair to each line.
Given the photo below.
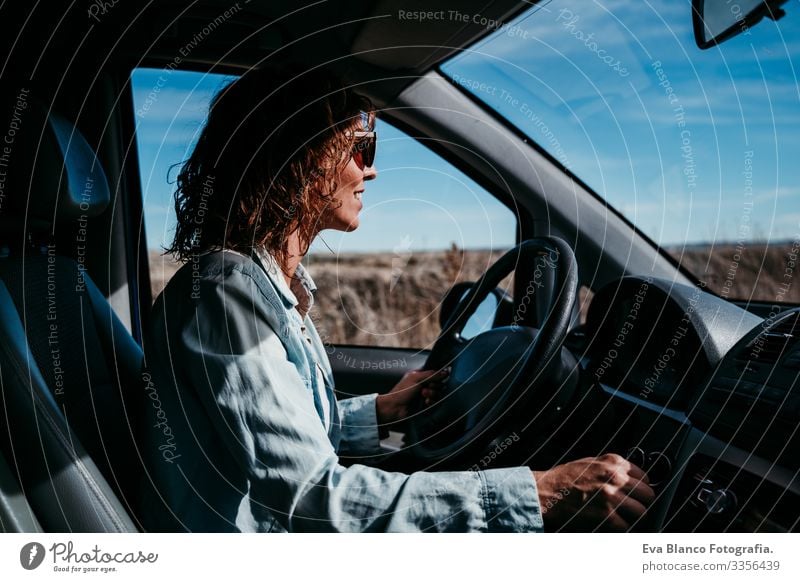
84, 191
52, 174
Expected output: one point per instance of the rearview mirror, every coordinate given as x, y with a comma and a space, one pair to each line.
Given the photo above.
718, 20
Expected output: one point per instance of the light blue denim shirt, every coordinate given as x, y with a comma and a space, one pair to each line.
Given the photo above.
236, 440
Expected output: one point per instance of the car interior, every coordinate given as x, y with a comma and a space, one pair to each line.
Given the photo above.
699, 390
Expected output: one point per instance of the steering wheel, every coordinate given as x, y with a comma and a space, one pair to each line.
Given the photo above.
508, 369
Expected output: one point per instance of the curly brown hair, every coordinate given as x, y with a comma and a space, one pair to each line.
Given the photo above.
266, 163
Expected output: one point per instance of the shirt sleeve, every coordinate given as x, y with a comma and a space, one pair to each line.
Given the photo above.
361, 435
265, 415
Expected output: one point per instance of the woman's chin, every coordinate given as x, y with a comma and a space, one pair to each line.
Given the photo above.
346, 226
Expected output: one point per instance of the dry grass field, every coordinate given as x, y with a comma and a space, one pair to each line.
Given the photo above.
391, 299
756, 272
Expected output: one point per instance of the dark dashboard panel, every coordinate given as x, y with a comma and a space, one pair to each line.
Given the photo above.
736, 375
717, 496
753, 398
696, 366
645, 342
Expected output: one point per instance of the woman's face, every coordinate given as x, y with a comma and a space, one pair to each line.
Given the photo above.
348, 197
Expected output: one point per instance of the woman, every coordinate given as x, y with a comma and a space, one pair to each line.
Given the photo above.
244, 432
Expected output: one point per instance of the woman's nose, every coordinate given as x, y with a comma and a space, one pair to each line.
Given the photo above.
370, 173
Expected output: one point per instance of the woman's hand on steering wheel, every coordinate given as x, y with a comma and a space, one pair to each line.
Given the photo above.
402, 400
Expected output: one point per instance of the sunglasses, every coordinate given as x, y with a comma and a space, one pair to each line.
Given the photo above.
364, 148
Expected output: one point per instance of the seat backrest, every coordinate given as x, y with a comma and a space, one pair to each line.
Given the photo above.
68, 367
16, 514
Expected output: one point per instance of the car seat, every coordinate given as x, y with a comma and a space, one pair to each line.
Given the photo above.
69, 369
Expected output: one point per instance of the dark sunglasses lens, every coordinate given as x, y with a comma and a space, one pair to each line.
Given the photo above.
369, 151
364, 152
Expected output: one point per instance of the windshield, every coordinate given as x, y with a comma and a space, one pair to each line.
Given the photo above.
697, 148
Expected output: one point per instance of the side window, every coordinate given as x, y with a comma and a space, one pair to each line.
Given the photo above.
424, 225
170, 108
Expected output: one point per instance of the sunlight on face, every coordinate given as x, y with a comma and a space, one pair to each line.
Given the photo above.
346, 202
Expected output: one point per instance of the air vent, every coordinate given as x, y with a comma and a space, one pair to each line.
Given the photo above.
772, 343
787, 325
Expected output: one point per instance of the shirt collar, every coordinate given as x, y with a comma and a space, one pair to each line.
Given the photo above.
301, 292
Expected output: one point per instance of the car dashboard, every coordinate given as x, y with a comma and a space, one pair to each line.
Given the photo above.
707, 402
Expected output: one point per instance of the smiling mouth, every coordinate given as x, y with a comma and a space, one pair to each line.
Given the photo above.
357, 195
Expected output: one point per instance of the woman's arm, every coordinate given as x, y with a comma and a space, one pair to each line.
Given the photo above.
362, 415
265, 415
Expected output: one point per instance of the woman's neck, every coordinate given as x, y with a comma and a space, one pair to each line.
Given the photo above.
294, 257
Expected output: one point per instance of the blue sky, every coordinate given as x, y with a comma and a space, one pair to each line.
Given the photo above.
712, 160
589, 82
